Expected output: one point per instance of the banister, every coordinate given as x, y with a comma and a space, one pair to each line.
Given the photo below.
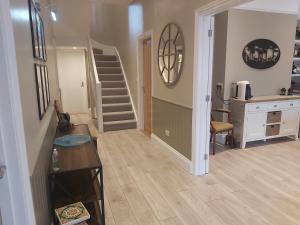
96, 86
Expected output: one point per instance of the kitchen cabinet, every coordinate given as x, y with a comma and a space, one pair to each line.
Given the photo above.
288, 126
265, 117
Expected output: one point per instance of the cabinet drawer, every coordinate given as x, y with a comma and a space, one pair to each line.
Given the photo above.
272, 130
274, 117
257, 107
290, 104
275, 105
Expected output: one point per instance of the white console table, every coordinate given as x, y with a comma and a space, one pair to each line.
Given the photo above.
265, 117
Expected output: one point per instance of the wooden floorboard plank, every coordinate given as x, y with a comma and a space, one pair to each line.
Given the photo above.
256, 186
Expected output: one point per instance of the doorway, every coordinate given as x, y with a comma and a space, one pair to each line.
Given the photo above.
202, 81
72, 80
145, 87
147, 84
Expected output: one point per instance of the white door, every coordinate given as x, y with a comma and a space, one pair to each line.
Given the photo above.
72, 80
256, 126
6, 217
289, 125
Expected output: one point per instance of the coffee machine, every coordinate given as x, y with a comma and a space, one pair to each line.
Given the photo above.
243, 90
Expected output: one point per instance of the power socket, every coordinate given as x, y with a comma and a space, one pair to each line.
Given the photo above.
167, 133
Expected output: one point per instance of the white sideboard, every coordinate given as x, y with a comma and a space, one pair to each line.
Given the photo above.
265, 117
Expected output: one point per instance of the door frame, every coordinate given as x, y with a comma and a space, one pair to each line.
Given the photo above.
202, 82
140, 78
14, 143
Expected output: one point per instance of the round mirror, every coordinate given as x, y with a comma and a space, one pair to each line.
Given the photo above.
171, 54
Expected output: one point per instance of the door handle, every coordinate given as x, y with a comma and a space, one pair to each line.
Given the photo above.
2, 171
82, 84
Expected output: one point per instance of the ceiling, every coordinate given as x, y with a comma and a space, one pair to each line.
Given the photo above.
280, 6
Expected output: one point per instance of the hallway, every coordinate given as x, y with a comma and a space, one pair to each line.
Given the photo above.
143, 186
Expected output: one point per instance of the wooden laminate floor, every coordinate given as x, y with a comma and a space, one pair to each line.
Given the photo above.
143, 186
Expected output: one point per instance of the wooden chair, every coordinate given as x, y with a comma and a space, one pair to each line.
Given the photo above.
217, 127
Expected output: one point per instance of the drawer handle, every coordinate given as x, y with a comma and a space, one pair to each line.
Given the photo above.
275, 106
257, 107
291, 104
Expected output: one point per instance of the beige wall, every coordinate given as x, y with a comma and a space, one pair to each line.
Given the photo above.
143, 15
74, 19
178, 121
35, 130
219, 60
245, 26
101, 23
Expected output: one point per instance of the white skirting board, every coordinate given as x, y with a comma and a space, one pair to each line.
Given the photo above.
174, 154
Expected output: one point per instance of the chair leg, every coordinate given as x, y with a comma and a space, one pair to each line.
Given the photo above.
232, 139
214, 143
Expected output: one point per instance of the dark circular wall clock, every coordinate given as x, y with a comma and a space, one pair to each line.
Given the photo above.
171, 54
261, 54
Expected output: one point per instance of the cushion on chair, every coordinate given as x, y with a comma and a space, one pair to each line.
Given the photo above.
221, 126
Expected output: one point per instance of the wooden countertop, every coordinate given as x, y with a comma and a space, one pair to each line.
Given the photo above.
268, 98
80, 157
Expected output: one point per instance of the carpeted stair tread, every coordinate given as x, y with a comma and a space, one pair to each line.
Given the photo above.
105, 58
116, 107
110, 99
108, 64
119, 122
114, 91
111, 77
115, 96
109, 70
113, 84
118, 116
116, 104
117, 113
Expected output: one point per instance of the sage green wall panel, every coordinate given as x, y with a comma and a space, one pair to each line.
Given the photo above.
178, 120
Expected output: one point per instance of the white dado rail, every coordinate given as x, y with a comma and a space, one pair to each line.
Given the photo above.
265, 117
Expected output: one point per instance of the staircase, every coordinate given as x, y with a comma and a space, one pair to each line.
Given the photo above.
117, 110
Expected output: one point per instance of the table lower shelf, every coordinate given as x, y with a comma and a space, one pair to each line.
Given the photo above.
80, 186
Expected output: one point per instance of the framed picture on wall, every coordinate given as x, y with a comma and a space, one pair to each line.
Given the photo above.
39, 90
40, 37
47, 84
44, 86
33, 15
44, 42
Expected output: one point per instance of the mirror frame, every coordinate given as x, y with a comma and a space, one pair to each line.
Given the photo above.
167, 28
